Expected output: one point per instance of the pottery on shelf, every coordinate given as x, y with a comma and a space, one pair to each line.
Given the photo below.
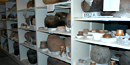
125, 58
97, 6
85, 6
54, 42
68, 21
120, 33
16, 48
124, 11
51, 21
43, 44
30, 4
28, 36
32, 56
100, 54
50, 1
33, 36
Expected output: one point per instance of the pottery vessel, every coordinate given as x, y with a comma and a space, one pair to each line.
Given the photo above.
120, 33
28, 36
54, 42
16, 48
100, 54
33, 36
50, 1
68, 21
51, 21
85, 6
125, 59
43, 44
32, 56
30, 4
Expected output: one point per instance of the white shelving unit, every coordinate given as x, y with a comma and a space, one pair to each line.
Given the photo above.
80, 48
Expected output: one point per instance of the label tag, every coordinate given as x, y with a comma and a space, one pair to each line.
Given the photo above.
111, 5
50, 8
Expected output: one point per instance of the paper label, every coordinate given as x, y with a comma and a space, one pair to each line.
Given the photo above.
111, 5
50, 8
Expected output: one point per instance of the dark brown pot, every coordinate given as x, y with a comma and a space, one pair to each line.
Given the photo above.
33, 36
54, 43
16, 48
51, 21
50, 1
53, 61
43, 44
85, 6
32, 56
97, 5
28, 36
68, 21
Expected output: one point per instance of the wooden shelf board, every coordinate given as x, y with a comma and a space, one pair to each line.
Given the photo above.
55, 56
66, 4
29, 46
56, 32
27, 29
16, 30
101, 19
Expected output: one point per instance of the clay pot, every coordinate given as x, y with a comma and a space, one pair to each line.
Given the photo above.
28, 20
13, 26
68, 21
120, 33
100, 55
43, 44
12, 35
61, 14
50, 1
51, 21
53, 61
33, 21
63, 0
11, 16
16, 48
28, 36
30, 4
32, 56
85, 31
54, 43
97, 5
85, 6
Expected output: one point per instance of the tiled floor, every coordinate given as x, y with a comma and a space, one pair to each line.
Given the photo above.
5, 60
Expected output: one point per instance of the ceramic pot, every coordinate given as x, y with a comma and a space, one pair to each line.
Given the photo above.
50, 1
85, 6
28, 36
12, 35
11, 16
120, 33
13, 26
54, 61
54, 42
43, 44
51, 21
124, 11
97, 6
33, 21
100, 54
32, 56
30, 4
16, 48
68, 21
